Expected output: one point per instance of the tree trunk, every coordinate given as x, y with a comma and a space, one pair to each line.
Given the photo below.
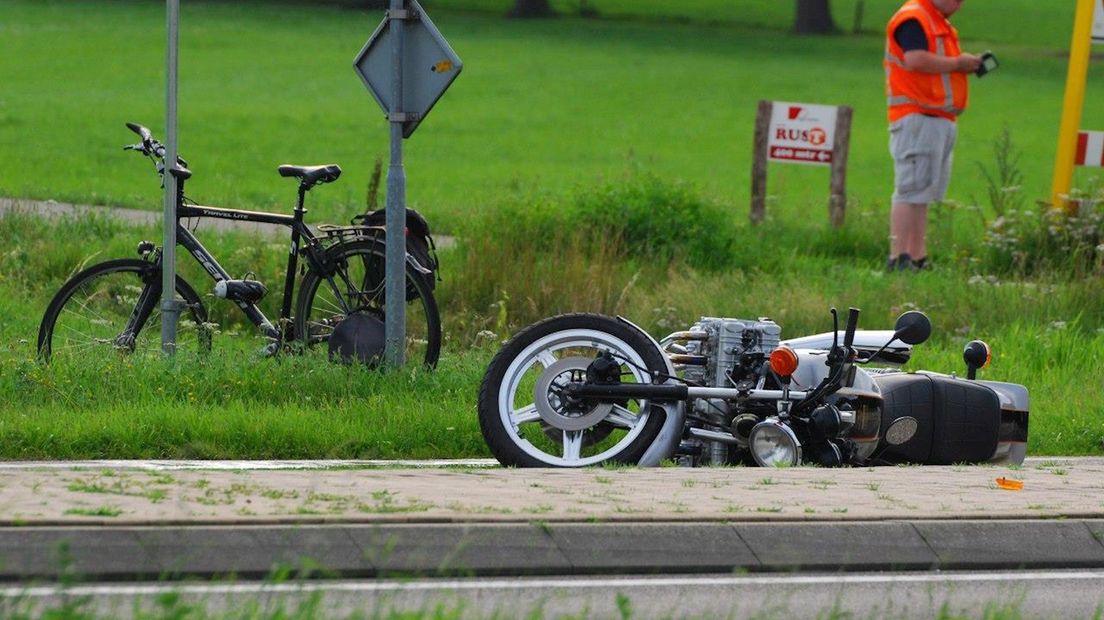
813, 17
531, 8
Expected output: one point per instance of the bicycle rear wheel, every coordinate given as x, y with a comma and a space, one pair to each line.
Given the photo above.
115, 307
357, 286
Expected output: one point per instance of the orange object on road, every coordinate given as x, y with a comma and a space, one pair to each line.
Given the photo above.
1009, 484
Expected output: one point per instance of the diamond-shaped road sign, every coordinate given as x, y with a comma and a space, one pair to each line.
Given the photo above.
429, 66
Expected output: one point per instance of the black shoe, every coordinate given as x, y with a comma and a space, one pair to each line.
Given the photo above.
921, 264
902, 262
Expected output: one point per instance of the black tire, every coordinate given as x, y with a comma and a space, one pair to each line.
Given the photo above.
92, 310
518, 434
360, 278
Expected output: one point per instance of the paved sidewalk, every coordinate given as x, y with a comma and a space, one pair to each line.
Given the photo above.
120, 522
138, 217
118, 495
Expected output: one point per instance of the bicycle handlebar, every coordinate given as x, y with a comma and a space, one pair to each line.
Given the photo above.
141, 131
149, 146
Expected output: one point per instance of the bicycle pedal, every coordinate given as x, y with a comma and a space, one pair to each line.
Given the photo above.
249, 291
145, 248
269, 350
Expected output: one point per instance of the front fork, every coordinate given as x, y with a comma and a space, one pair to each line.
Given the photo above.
147, 300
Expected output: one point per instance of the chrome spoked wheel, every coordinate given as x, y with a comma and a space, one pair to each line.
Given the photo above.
528, 419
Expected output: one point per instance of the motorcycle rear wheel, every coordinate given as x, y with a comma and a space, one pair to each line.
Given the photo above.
547, 355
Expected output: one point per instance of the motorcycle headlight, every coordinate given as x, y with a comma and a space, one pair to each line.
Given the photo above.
774, 444
868, 418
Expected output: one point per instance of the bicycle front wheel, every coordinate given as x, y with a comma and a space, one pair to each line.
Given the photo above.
357, 286
115, 307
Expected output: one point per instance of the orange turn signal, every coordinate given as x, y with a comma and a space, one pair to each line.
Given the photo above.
783, 361
977, 354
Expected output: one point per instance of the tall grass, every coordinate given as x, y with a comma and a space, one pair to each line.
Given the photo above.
561, 254
1045, 329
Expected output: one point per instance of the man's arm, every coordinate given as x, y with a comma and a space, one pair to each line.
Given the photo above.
914, 42
923, 61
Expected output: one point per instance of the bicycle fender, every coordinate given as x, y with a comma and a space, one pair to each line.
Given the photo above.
413, 262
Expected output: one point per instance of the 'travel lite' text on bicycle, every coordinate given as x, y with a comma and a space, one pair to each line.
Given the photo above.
112, 305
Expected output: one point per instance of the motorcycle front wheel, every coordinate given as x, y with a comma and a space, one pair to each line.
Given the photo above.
526, 420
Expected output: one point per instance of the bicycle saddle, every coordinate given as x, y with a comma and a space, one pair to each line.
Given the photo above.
309, 176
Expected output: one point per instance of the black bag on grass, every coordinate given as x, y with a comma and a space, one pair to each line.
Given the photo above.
419, 244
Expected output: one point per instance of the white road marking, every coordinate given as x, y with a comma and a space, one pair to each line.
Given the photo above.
545, 583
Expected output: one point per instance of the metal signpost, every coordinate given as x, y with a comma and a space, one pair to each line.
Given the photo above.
1085, 31
170, 307
407, 65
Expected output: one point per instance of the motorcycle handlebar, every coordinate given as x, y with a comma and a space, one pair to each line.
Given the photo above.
852, 325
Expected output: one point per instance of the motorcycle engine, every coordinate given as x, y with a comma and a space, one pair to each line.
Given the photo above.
732, 347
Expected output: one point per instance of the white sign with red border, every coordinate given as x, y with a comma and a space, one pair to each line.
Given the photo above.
802, 133
1090, 149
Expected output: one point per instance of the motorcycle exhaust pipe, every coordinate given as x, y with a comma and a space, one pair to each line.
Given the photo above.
688, 335
621, 391
686, 359
701, 433
741, 428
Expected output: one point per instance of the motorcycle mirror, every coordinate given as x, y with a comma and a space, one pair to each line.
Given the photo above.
912, 327
976, 355
902, 430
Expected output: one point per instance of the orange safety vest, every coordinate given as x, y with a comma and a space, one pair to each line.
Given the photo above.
911, 92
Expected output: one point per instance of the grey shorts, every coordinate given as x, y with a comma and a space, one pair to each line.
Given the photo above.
922, 149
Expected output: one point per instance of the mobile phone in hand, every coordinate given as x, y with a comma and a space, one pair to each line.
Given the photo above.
988, 64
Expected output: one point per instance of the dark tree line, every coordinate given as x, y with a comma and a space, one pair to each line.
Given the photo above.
531, 8
813, 16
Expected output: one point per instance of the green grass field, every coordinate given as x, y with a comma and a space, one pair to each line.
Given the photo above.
542, 106
550, 118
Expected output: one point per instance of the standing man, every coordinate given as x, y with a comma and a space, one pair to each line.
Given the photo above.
926, 82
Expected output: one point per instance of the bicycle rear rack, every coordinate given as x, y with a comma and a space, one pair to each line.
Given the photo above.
332, 233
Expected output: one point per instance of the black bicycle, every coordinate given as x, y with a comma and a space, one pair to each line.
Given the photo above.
115, 305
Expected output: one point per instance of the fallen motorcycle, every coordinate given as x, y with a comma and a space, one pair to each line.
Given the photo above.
586, 389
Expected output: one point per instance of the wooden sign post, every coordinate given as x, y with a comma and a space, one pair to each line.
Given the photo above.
801, 133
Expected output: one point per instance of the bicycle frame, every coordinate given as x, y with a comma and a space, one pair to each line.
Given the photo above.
299, 232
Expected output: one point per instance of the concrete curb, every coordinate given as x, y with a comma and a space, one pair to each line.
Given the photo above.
349, 551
